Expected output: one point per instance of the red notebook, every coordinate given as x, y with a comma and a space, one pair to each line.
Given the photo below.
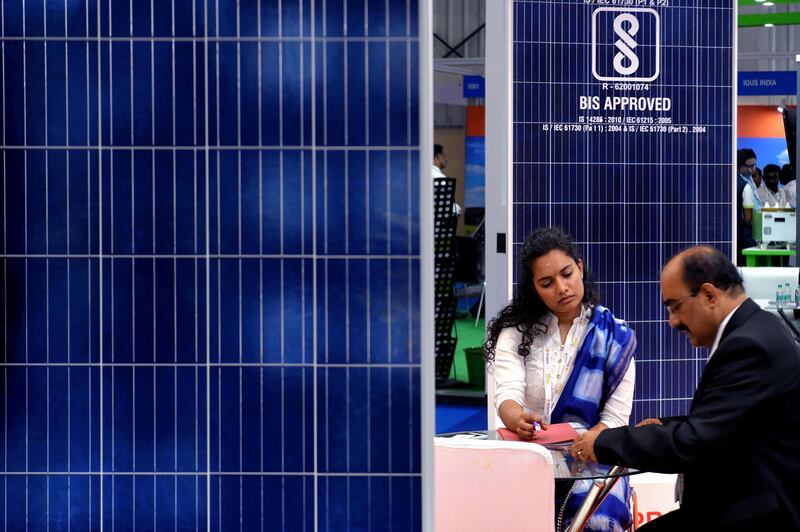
557, 433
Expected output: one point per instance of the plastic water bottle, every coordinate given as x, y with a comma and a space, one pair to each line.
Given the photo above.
789, 299
779, 296
797, 296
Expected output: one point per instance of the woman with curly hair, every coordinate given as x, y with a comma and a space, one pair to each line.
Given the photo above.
558, 356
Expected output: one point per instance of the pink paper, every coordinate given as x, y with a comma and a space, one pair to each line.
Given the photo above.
557, 433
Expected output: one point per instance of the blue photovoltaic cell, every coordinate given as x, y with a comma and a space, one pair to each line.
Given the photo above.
630, 199
210, 262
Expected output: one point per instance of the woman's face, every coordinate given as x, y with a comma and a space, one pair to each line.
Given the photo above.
558, 280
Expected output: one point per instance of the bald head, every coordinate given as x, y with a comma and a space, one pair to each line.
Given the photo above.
700, 287
698, 265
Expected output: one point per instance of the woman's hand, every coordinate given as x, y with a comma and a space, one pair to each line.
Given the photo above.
526, 425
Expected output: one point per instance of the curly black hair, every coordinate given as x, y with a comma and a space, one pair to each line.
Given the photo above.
526, 309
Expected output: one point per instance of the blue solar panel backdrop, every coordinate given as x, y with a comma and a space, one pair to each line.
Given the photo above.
622, 129
210, 265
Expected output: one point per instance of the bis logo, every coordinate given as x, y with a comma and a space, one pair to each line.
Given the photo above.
626, 44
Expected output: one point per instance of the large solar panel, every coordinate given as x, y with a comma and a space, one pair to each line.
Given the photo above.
632, 186
210, 265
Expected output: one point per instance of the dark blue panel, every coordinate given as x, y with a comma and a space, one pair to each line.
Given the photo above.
335, 102
251, 503
376, 17
333, 419
58, 293
190, 503
143, 321
37, 299
404, 441
119, 381
79, 207
270, 202
56, 93
356, 93
57, 502
36, 204
377, 201
34, 19
379, 413
142, 97
164, 201
400, 202
185, 97
17, 386
400, 308
296, 292
141, 18
294, 69
13, 64
143, 230
229, 306
270, 92
120, 18
80, 321
121, 93
272, 419
16, 493
118, 299
164, 322
335, 209
104, 93
251, 316
80, 412
57, 201
121, 183
398, 16
228, 182
162, 18
37, 517
144, 440
377, 93
357, 315
398, 95
272, 279
164, 438
187, 418
358, 409
12, 19
186, 206
251, 419
290, 17
163, 513
187, 309
297, 406
293, 202
164, 105
356, 223
356, 18
36, 435
226, 411
334, 299
118, 507
227, 110
379, 311
251, 201
249, 93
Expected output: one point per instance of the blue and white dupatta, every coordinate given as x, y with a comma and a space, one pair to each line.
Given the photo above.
601, 362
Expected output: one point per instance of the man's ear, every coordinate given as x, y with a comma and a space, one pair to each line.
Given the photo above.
709, 293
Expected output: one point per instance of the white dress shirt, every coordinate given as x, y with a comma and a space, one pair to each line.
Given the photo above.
523, 380
720, 330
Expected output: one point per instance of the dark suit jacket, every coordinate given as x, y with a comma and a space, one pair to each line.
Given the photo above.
739, 447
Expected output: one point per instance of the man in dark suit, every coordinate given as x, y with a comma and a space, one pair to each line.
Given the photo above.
739, 447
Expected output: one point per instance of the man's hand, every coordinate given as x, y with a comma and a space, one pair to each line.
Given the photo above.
649, 421
526, 429
583, 446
